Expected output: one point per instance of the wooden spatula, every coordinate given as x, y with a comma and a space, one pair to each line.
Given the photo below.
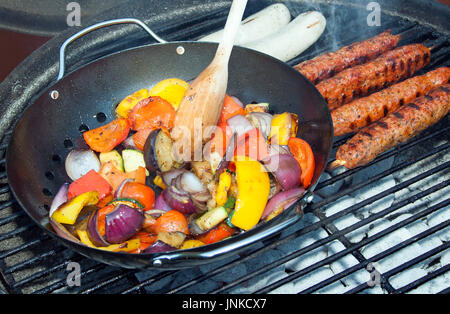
200, 108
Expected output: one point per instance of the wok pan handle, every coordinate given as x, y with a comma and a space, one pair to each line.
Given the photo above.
62, 50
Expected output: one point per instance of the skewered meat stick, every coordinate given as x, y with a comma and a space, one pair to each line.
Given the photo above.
379, 73
397, 127
328, 64
361, 112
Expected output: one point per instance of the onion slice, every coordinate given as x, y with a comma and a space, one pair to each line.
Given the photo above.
81, 161
168, 176
179, 200
161, 204
262, 121
191, 183
281, 201
119, 190
92, 231
239, 125
285, 169
158, 247
59, 199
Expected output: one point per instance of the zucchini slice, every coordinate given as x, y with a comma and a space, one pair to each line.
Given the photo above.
132, 160
114, 157
212, 218
126, 201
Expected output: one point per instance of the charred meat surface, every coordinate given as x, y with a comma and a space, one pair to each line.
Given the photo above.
328, 64
397, 127
355, 115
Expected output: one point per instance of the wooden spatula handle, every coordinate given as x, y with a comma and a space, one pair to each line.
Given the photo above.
231, 28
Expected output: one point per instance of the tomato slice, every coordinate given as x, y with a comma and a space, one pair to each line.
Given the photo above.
172, 221
139, 192
230, 109
303, 153
105, 138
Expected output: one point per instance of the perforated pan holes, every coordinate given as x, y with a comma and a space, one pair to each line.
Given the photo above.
101, 117
68, 143
83, 128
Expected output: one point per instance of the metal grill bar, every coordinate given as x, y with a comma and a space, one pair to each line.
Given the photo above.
326, 240
361, 244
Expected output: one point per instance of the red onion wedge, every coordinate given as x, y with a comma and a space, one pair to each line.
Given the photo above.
161, 204
179, 200
285, 169
93, 233
80, 161
59, 199
159, 247
123, 223
119, 190
168, 176
281, 201
129, 143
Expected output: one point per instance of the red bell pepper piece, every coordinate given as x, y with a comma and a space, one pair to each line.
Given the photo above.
252, 144
216, 234
230, 109
91, 181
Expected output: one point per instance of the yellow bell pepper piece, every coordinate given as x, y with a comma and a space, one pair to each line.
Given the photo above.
253, 192
158, 181
188, 244
172, 90
68, 212
283, 127
222, 188
128, 103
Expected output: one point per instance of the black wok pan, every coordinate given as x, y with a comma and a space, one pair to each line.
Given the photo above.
52, 125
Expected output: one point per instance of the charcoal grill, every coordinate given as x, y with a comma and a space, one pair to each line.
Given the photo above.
379, 228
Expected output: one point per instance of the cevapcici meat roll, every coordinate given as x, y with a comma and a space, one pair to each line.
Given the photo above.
383, 71
363, 111
328, 64
395, 128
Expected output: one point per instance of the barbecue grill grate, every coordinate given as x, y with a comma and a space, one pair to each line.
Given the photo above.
379, 228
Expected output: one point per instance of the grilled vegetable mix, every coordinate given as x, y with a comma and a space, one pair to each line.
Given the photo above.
255, 167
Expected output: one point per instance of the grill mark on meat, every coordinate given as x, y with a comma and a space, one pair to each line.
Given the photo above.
328, 64
398, 115
413, 105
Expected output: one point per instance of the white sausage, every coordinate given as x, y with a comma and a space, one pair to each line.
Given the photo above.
258, 25
294, 38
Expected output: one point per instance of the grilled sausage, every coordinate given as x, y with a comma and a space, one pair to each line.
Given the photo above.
361, 112
328, 64
395, 128
360, 80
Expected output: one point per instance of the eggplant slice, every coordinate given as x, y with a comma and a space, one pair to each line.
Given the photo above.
158, 152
